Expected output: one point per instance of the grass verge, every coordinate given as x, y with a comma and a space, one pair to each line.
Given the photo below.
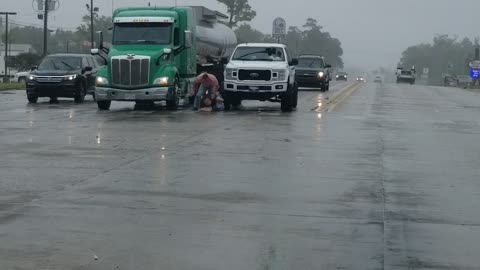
12, 86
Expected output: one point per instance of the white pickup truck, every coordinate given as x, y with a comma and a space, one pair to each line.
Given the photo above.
261, 71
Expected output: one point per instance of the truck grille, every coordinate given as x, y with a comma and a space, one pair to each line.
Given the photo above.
130, 73
254, 75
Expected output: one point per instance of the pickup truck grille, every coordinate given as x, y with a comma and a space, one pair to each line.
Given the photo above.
254, 75
130, 73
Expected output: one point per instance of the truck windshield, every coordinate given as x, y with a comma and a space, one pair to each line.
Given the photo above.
259, 54
142, 33
310, 63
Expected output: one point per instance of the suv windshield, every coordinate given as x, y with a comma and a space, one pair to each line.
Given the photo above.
406, 72
259, 54
61, 63
310, 63
142, 33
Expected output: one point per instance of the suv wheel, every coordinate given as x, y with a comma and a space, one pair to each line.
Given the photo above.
80, 95
287, 100
104, 105
32, 98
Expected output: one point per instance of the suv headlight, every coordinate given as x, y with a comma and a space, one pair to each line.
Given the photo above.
230, 74
321, 74
281, 74
32, 78
70, 77
162, 81
101, 81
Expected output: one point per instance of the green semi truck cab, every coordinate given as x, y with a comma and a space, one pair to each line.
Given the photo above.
157, 52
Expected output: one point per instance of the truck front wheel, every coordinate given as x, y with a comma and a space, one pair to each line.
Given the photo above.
287, 100
104, 105
172, 104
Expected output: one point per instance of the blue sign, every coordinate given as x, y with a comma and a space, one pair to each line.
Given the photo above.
475, 73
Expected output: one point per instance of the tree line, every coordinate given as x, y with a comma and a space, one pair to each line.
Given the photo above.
309, 38
445, 55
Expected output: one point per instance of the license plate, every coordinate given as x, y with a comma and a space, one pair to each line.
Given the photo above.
129, 96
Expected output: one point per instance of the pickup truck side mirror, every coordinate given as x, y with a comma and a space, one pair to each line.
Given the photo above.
294, 62
188, 37
225, 60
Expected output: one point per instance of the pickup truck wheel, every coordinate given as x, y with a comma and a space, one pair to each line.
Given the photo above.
287, 100
32, 98
295, 96
327, 87
104, 105
81, 93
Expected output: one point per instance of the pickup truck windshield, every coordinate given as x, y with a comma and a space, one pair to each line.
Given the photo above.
142, 33
310, 63
259, 54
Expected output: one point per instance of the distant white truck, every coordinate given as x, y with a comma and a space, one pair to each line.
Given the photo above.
261, 71
406, 76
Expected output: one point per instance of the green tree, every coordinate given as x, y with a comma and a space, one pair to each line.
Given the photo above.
100, 23
245, 33
238, 11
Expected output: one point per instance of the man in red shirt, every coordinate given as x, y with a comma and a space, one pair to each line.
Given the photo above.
202, 84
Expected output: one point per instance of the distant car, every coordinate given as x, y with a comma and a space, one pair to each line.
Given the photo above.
378, 79
63, 75
342, 76
312, 71
406, 76
360, 79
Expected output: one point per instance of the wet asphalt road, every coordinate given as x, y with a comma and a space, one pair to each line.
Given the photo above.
390, 179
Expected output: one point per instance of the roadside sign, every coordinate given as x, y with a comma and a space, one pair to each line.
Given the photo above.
474, 64
426, 71
279, 28
475, 73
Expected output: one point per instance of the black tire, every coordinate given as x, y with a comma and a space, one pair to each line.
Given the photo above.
81, 93
172, 105
327, 87
287, 100
295, 96
94, 97
231, 101
104, 105
32, 98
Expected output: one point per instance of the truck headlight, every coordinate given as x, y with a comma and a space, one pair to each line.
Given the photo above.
281, 74
162, 81
321, 74
32, 78
101, 81
230, 74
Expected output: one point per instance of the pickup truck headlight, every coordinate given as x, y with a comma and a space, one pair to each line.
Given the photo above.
281, 74
230, 74
32, 78
101, 81
162, 81
321, 74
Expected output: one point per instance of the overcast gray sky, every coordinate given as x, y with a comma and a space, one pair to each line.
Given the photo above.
373, 32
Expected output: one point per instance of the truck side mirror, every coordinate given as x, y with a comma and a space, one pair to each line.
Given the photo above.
328, 66
225, 60
100, 39
294, 62
188, 39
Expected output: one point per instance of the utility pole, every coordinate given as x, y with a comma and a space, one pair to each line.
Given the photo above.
5, 79
91, 24
45, 28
